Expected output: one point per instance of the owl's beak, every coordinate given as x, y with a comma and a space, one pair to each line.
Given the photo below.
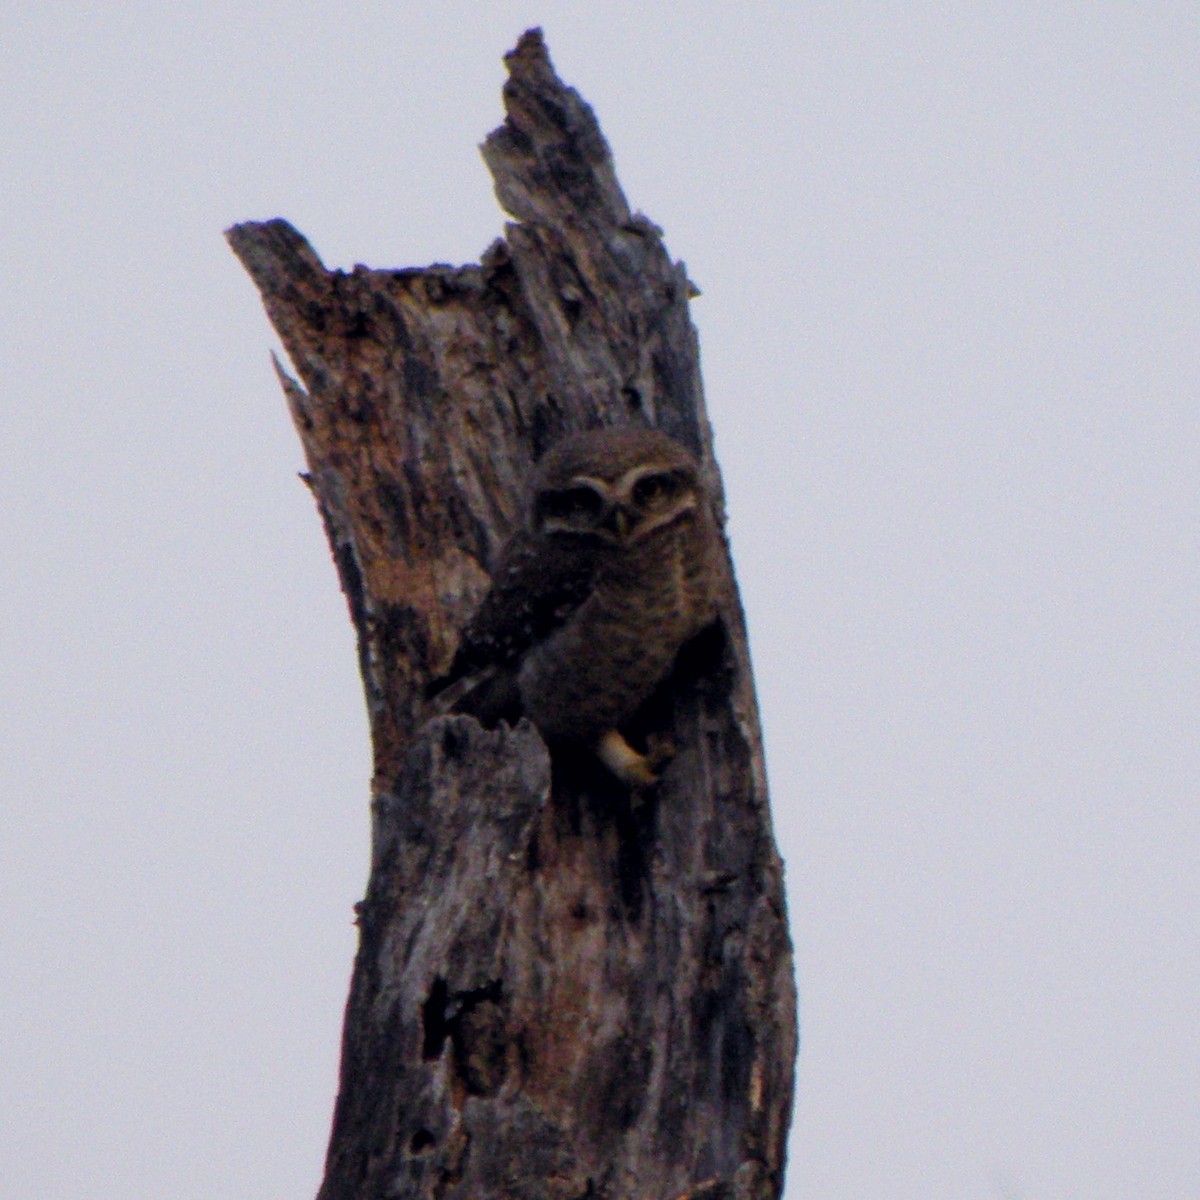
617, 521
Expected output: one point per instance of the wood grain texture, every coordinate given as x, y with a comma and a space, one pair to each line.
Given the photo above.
561, 991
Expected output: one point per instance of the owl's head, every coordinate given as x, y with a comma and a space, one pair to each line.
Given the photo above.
615, 486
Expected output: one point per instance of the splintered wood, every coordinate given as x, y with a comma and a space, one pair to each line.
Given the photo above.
562, 990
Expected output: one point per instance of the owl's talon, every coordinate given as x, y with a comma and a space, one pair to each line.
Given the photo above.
631, 768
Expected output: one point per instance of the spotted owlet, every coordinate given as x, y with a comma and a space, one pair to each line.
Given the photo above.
613, 570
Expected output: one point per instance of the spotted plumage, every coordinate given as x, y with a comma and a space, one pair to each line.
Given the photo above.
613, 570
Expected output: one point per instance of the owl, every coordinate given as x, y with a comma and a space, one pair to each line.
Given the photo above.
613, 569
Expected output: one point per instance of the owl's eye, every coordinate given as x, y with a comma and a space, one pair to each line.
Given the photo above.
576, 505
653, 489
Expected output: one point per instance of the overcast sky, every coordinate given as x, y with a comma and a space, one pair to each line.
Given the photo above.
949, 256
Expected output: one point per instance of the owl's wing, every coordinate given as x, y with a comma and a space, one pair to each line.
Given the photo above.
536, 586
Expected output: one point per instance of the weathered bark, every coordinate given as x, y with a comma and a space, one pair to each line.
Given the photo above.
559, 992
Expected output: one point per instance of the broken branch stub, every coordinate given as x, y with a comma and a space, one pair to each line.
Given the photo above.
561, 990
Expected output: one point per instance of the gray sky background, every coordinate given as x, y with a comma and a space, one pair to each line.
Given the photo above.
949, 257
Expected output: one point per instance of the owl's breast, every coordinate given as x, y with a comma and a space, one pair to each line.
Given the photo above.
595, 670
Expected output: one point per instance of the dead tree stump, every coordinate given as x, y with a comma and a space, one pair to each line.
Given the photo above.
559, 993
